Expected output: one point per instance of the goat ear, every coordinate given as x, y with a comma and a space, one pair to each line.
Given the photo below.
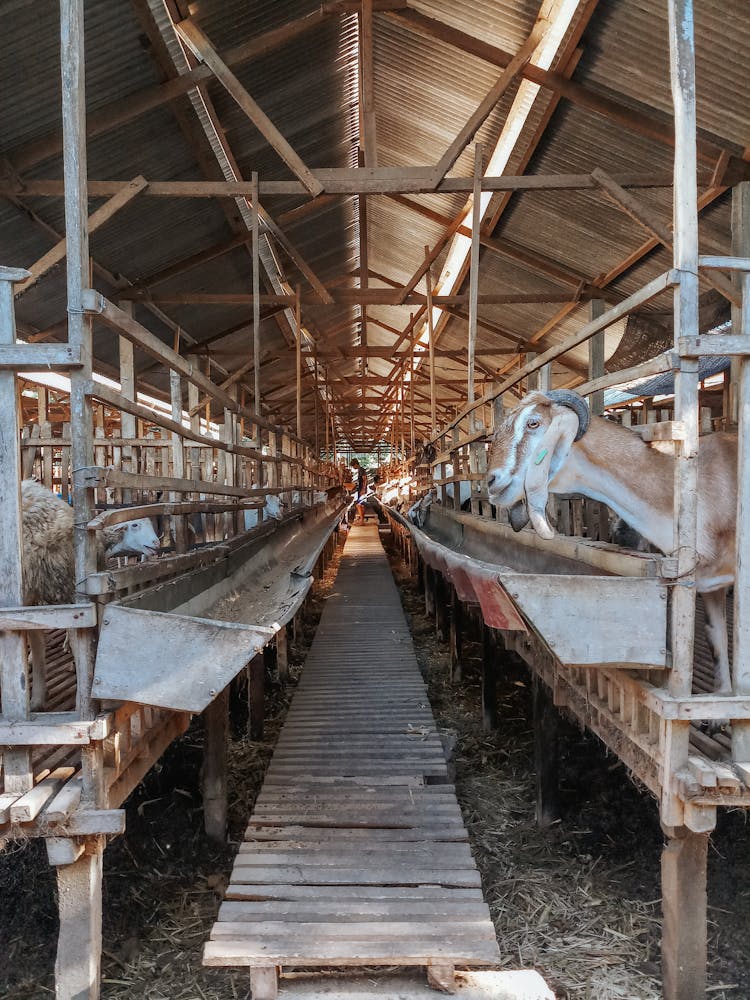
554, 446
518, 515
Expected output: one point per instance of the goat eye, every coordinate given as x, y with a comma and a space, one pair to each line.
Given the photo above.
532, 423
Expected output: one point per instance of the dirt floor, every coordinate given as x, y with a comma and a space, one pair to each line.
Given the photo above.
579, 901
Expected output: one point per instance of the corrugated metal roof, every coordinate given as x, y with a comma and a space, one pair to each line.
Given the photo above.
425, 89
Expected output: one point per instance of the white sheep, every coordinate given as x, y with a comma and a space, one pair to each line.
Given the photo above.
48, 564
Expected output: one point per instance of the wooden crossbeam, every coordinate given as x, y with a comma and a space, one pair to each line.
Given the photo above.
199, 43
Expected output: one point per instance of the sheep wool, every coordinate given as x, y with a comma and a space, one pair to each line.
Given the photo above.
47, 531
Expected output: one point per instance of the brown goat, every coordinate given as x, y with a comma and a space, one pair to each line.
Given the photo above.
549, 444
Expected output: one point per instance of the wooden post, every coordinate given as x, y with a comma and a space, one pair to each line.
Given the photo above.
128, 389
298, 324
489, 679
596, 357
431, 334
14, 679
545, 755
178, 459
684, 858
256, 290
684, 903
256, 688
441, 607
476, 224
282, 655
216, 721
79, 891
682, 63
741, 325
456, 637
429, 589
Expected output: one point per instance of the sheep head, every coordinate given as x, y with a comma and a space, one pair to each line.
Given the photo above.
529, 446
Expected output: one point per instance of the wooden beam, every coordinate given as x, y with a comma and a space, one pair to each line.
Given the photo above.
641, 119
196, 39
490, 101
476, 224
352, 297
368, 130
96, 219
349, 181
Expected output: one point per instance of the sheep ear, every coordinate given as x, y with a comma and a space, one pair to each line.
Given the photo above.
553, 447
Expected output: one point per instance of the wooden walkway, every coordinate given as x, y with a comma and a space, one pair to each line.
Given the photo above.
356, 853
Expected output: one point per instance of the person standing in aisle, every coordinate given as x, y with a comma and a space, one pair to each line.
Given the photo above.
361, 482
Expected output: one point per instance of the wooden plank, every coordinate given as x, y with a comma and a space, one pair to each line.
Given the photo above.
48, 616
464, 952
406, 895
373, 932
28, 806
296, 910
102, 214
464, 878
36, 357
65, 802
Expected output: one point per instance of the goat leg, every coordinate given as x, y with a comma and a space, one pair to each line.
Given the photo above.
715, 603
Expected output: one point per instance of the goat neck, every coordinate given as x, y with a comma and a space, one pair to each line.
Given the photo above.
613, 464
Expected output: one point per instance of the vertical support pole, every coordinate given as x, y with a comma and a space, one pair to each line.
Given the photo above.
411, 387
489, 679
682, 64
429, 589
684, 903
596, 357
255, 197
128, 390
456, 635
441, 607
79, 330
298, 324
545, 377
476, 224
684, 858
13, 666
178, 458
431, 334
282, 655
256, 695
545, 755
216, 721
79, 890
741, 325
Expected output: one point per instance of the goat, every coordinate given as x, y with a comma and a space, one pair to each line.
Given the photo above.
549, 442
420, 510
48, 564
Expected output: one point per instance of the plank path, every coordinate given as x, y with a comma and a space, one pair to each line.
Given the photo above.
356, 853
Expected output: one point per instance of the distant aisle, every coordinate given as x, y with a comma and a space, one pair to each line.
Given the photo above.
356, 852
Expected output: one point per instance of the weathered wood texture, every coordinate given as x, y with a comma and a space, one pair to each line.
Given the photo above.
356, 853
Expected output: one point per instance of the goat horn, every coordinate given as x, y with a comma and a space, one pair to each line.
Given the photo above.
566, 397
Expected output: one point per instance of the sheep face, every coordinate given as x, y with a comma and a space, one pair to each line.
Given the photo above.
133, 538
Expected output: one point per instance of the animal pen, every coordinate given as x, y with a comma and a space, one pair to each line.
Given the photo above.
375, 257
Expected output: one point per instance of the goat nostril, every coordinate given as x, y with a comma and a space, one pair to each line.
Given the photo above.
490, 480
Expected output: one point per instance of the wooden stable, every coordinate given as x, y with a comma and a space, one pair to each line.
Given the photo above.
374, 256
